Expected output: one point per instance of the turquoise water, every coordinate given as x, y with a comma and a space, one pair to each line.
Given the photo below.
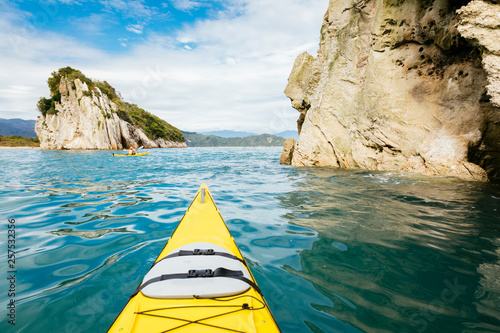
333, 250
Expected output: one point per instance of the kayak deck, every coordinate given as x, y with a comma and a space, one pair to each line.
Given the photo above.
137, 154
167, 309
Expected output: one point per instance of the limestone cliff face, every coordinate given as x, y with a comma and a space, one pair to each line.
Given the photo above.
87, 119
402, 85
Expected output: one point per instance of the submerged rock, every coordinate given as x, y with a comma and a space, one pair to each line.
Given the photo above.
396, 86
80, 115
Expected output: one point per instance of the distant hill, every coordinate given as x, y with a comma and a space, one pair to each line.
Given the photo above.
288, 134
229, 134
17, 127
241, 134
263, 140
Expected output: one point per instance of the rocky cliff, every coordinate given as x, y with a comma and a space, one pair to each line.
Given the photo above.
83, 114
402, 85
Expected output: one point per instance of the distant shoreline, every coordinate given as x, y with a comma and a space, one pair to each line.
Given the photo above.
18, 147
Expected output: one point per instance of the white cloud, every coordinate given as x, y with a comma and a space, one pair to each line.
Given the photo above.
29, 54
135, 28
187, 5
123, 41
233, 76
129, 8
93, 24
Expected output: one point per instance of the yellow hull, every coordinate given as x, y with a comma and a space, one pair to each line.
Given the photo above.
246, 311
138, 154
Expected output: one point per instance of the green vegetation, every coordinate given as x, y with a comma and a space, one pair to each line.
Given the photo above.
18, 141
46, 106
107, 89
151, 125
68, 72
263, 140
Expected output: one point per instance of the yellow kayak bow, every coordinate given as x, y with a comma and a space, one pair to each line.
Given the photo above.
200, 282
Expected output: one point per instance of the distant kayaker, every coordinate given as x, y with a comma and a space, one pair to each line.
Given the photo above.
131, 151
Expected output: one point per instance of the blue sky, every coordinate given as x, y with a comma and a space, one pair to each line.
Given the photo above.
201, 65
115, 25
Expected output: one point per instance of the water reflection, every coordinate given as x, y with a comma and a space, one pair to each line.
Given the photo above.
87, 233
398, 253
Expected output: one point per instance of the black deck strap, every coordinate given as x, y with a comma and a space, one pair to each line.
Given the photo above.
203, 273
201, 252
223, 272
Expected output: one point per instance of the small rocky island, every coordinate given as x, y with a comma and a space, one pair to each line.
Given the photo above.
86, 114
402, 85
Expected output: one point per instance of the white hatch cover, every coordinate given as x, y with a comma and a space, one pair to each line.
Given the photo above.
195, 286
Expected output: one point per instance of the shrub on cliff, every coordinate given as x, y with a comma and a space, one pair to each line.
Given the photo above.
47, 106
107, 89
71, 74
153, 126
